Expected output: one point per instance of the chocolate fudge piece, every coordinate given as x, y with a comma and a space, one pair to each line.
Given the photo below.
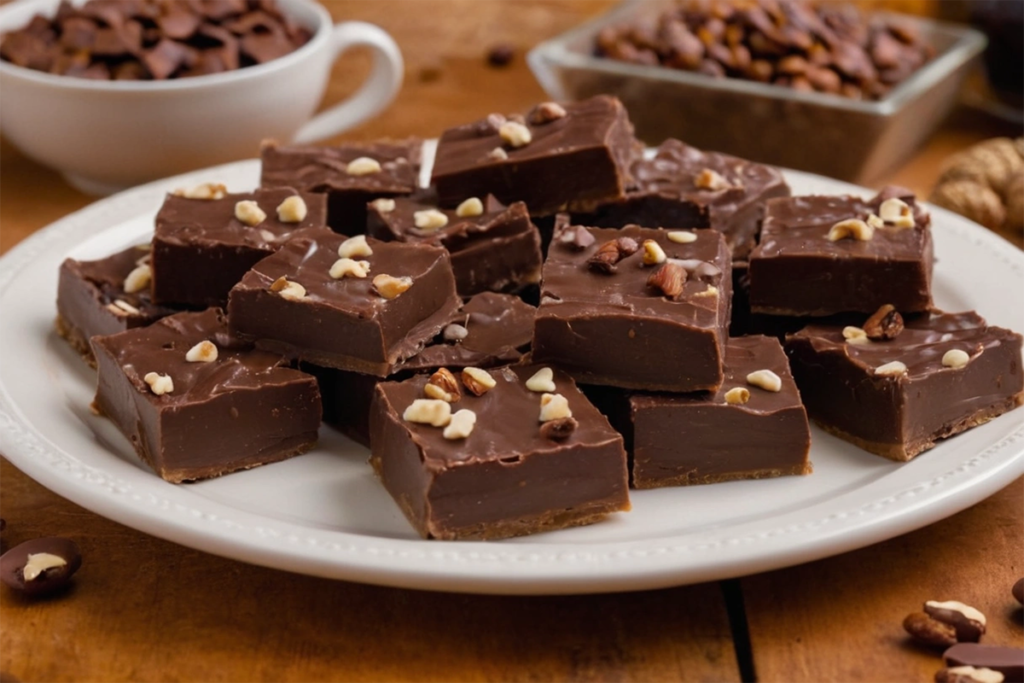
560, 157
489, 330
683, 187
493, 247
808, 263
943, 374
741, 431
92, 297
302, 302
609, 318
350, 175
513, 474
197, 403
201, 249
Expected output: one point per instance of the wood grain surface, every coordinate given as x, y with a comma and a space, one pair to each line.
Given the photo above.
143, 609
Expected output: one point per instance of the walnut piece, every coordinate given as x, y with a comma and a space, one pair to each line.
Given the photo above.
363, 166
515, 134
884, 324
653, 253
390, 287
670, 279
159, 384
470, 208
354, 247
542, 381
428, 411
682, 236
292, 210
765, 379
346, 267
737, 396
138, 279
554, 407
477, 382
430, 220
203, 352
442, 385
851, 228
249, 213
461, 425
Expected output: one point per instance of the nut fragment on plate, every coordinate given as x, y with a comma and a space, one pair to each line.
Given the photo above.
41, 566
969, 674
428, 411
249, 213
708, 179
542, 381
287, 289
851, 228
138, 279
653, 253
893, 369
461, 425
682, 236
203, 352
554, 407
430, 220
765, 379
346, 267
737, 396
968, 623
203, 191
159, 384
669, 279
884, 324
546, 112
469, 208
477, 382
560, 429
855, 335
389, 287
515, 134
292, 210
956, 358
354, 247
443, 386
363, 166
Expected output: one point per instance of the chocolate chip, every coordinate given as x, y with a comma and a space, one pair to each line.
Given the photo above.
40, 566
1018, 591
501, 55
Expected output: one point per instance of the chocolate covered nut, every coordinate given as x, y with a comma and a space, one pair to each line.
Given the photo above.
501, 55
886, 323
924, 629
1008, 661
40, 566
968, 622
968, 674
1018, 591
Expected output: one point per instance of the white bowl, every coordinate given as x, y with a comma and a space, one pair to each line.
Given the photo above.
108, 135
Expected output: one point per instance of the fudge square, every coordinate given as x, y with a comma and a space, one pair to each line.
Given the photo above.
821, 255
493, 247
560, 157
105, 296
490, 329
349, 175
528, 454
196, 403
202, 247
636, 308
753, 427
683, 187
941, 375
348, 303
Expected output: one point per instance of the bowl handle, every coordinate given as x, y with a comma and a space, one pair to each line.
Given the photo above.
375, 94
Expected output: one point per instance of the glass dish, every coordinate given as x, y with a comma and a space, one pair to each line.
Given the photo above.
827, 134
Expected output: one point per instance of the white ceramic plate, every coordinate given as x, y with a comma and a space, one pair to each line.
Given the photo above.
324, 513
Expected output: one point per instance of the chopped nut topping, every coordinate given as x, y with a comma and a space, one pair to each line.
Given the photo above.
969, 674
469, 208
292, 210
138, 279
461, 425
122, 308
886, 323
443, 385
855, 335
203, 191
498, 154
576, 238
390, 287
159, 384
765, 379
554, 407
610, 253
737, 395
478, 382
546, 112
710, 291
267, 235
346, 267
710, 180
354, 247
363, 166
874, 221
559, 430
515, 134
430, 220
250, 213
670, 279
682, 236
542, 380
893, 368
653, 253
955, 358
454, 333
384, 205
203, 352
37, 563
287, 289
428, 411
852, 228
896, 211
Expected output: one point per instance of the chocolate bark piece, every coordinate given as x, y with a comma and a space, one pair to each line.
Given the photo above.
943, 374
572, 162
490, 329
496, 250
798, 269
1008, 661
91, 298
506, 478
326, 170
291, 303
674, 190
741, 431
623, 329
201, 249
197, 419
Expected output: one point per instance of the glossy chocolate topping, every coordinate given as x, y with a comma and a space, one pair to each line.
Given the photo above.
324, 168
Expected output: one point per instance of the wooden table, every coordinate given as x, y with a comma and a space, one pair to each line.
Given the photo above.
148, 610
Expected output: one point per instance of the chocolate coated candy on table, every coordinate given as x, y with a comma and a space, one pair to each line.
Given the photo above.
559, 157
93, 297
1008, 661
353, 304
493, 247
508, 477
821, 255
943, 374
196, 402
202, 248
350, 175
654, 318
683, 187
40, 566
